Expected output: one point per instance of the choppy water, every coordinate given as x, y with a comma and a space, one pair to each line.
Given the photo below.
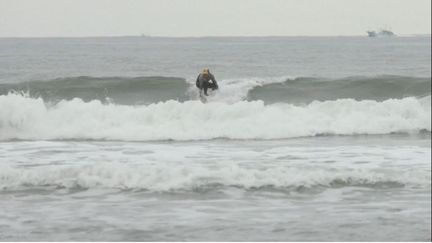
307, 139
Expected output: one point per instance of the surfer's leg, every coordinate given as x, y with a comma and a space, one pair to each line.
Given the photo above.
204, 86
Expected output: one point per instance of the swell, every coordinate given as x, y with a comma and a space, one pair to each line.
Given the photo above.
119, 90
147, 90
305, 90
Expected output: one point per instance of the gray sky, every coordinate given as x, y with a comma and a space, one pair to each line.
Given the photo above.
211, 17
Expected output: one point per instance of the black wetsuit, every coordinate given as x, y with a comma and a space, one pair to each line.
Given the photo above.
203, 82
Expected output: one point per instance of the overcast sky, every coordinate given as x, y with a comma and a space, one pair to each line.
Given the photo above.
211, 17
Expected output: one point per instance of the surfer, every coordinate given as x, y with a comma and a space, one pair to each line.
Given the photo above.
203, 81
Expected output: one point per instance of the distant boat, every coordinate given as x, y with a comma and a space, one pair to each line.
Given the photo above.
380, 33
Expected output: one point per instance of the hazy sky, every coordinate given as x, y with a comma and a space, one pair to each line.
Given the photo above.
211, 17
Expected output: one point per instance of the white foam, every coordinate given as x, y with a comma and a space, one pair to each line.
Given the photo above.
236, 89
164, 177
23, 117
206, 164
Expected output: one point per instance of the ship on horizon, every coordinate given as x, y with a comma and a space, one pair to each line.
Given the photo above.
384, 32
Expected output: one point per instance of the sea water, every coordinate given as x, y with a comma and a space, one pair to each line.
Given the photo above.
307, 139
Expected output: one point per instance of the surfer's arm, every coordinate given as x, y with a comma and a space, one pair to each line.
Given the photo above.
199, 81
213, 79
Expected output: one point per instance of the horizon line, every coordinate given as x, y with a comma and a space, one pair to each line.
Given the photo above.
204, 36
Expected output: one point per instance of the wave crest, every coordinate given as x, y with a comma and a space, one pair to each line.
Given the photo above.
306, 90
147, 90
120, 90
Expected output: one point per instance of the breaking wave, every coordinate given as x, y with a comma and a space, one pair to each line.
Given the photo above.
157, 177
23, 117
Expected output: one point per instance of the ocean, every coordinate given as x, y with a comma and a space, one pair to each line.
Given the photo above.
307, 139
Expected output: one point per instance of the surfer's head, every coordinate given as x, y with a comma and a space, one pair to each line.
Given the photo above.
205, 72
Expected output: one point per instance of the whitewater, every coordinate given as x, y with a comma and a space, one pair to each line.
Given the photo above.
307, 139
28, 118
